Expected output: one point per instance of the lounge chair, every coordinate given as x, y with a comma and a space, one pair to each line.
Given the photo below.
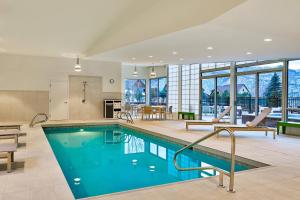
8, 151
10, 134
213, 121
250, 126
10, 126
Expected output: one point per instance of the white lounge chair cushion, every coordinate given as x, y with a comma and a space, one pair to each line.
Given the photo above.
225, 112
259, 118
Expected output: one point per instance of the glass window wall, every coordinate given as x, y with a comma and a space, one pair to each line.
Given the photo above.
223, 94
158, 91
293, 103
135, 91
173, 81
185, 88
245, 97
194, 89
208, 88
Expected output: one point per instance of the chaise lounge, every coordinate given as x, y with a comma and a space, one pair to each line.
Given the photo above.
10, 126
8, 152
250, 126
11, 134
212, 122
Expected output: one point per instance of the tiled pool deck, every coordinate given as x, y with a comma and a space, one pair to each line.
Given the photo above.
39, 176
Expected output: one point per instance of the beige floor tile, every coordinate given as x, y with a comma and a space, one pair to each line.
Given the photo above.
42, 178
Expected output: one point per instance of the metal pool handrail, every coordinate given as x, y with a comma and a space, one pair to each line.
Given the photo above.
127, 115
33, 122
221, 171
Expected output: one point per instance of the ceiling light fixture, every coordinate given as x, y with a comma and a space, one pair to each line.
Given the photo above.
77, 67
210, 48
209, 56
133, 58
135, 72
268, 40
150, 56
174, 52
153, 73
249, 53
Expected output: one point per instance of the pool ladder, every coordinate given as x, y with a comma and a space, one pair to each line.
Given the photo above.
127, 116
34, 122
221, 171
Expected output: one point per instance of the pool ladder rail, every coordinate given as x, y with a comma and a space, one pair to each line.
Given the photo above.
34, 121
221, 171
125, 116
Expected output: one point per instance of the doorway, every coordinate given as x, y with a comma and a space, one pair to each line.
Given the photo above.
58, 100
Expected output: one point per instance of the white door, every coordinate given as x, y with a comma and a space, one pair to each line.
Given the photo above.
59, 95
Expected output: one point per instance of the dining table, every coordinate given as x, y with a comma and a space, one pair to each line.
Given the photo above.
154, 111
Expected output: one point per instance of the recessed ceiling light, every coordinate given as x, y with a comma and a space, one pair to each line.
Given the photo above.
268, 40
181, 59
249, 53
209, 56
161, 61
133, 58
150, 56
210, 48
174, 52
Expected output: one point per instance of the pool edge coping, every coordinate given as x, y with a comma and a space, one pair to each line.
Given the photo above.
168, 138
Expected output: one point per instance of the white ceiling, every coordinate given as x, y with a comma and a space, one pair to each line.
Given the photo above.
232, 35
118, 30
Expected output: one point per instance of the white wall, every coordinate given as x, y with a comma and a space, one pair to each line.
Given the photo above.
35, 72
24, 83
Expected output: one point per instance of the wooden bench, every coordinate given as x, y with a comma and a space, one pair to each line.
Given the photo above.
8, 151
284, 124
190, 115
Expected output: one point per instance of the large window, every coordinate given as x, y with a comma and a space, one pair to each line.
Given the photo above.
208, 88
185, 88
173, 79
259, 87
223, 94
245, 96
294, 91
270, 92
135, 91
158, 91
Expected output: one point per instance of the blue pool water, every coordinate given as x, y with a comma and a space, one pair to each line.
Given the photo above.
105, 159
